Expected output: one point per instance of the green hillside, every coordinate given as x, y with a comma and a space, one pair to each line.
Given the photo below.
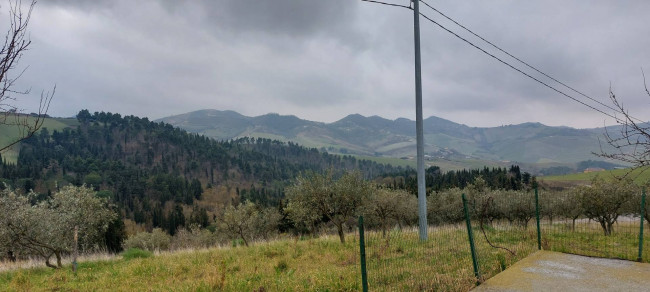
9, 134
640, 176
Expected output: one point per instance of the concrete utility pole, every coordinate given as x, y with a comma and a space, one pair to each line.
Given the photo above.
422, 191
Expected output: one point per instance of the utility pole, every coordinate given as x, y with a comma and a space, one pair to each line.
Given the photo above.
422, 191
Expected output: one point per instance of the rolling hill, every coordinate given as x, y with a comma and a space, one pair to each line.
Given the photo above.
527, 143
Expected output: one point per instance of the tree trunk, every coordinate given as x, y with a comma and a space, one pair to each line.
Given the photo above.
604, 226
341, 234
573, 226
610, 227
244, 239
47, 262
58, 258
11, 256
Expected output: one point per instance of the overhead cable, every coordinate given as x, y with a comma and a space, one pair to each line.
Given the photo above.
518, 59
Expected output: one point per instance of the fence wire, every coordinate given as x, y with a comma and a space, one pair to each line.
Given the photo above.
606, 231
504, 225
398, 261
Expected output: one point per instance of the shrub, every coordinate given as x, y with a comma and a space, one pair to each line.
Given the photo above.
193, 238
151, 241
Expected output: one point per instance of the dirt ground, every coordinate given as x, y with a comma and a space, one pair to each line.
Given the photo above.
553, 271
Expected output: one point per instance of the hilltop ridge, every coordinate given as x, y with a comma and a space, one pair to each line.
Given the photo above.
530, 142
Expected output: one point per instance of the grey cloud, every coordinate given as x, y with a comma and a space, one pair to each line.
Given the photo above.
324, 59
290, 17
284, 16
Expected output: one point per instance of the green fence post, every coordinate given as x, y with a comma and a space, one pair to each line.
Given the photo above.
640, 258
470, 234
539, 230
362, 251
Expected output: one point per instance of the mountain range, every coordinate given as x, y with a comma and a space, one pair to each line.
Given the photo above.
532, 143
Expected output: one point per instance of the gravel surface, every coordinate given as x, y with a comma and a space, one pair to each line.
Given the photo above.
553, 271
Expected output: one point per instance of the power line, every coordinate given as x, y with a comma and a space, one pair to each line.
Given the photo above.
389, 4
517, 69
521, 61
506, 63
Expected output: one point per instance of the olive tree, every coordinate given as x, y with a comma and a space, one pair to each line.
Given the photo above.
569, 205
46, 228
516, 206
604, 201
388, 207
322, 196
247, 221
445, 207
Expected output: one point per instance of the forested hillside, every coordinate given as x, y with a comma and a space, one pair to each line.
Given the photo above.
161, 176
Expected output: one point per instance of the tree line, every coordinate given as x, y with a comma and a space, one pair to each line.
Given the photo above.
495, 178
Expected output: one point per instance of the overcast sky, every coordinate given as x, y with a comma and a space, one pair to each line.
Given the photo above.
324, 59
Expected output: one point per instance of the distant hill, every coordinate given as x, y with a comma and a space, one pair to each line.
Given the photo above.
376, 136
155, 172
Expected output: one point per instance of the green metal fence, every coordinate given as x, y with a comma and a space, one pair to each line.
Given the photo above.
609, 230
474, 236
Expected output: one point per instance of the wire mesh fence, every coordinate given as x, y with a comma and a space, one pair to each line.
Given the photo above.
506, 226
399, 261
606, 224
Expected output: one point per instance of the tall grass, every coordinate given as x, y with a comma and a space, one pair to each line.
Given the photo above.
286, 265
398, 261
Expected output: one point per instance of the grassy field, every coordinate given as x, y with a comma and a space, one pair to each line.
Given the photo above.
397, 261
321, 264
639, 175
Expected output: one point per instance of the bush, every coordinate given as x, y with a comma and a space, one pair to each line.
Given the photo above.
151, 241
193, 238
136, 253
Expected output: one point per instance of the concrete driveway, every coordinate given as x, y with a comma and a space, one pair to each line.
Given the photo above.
553, 271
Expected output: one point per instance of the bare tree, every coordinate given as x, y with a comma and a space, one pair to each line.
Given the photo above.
631, 142
16, 43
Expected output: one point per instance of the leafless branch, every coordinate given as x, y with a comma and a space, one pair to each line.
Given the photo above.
17, 42
632, 144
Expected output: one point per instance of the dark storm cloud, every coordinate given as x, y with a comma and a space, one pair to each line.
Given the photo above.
291, 17
284, 16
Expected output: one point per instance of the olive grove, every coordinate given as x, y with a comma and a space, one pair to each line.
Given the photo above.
45, 228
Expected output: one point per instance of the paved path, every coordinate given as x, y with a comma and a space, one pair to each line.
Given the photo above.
553, 271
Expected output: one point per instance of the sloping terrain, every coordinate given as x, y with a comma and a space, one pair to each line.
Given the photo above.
376, 136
